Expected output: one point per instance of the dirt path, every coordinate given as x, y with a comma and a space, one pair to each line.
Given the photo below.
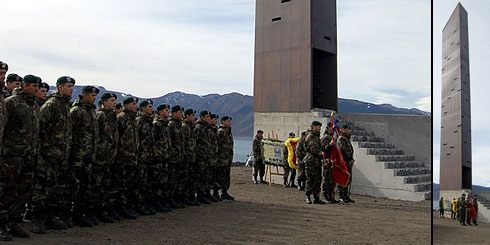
447, 231
263, 215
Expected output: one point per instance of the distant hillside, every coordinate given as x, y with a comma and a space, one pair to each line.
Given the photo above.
240, 106
435, 190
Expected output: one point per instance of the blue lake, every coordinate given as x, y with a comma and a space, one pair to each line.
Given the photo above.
242, 148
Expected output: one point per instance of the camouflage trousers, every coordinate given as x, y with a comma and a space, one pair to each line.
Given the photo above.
313, 176
201, 183
192, 185
210, 177
462, 215
49, 187
155, 181
102, 192
128, 181
78, 187
301, 173
344, 191
136, 191
181, 173
259, 168
15, 185
287, 172
327, 182
117, 183
223, 176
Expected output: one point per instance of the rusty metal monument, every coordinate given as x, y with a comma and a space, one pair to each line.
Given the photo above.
455, 165
295, 55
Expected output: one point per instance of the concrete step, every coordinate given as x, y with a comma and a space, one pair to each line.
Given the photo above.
416, 179
366, 139
411, 171
420, 187
362, 133
385, 151
375, 145
393, 158
403, 165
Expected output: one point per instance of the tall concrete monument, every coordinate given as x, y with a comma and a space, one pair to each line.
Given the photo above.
295, 55
455, 175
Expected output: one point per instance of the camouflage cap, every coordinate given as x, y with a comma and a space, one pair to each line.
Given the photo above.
177, 108
189, 111
146, 102
163, 107
65, 79
90, 89
4, 66
31, 79
106, 96
130, 100
14, 78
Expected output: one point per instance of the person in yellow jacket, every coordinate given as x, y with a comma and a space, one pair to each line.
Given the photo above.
453, 208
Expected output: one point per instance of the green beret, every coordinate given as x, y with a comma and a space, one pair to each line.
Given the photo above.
204, 113
225, 118
189, 111
213, 116
44, 85
65, 79
145, 103
316, 123
106, 96
118, 106
177, 108
90, 89
31, 79
130, 100
14, 78
345, 126
162, 107
4, 66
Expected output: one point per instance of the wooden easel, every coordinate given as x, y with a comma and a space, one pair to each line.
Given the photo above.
268, 170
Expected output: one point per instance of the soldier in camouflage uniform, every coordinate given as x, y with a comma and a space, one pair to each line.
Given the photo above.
82, 154
202, 153
175, 159
41, 93
126, 160
288, 170
55, 137
119, 108
300, 155
345, 147
213, 159
144, 125
18, 151
258, 154
161, 151
13, 82
313, 163
189, 158
4, 236
461, 205
225, 157
105, 152
327, 182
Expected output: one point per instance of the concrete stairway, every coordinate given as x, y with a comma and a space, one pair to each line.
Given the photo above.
381, 170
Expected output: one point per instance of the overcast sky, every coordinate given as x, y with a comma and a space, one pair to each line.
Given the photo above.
479, 26
152, 47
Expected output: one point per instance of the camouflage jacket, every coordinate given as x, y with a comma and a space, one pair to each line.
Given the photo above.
20, 137
189, 142
176, 139
225, 146
345, 147
55, 129
3, 111
128, 138
301, 150
40, 102
6, 92
326, 147
313, 149
258, 149
285, 155
144, 124
213, 144
203, 144
85, 131
108, 137
161, 139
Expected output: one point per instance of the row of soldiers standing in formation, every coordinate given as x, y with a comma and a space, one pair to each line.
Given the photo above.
464, 211
65, 164
313, 160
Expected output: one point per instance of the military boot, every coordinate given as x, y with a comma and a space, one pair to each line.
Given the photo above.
115, 215
255, 180
216, 196
292, 185
262, 181
285, 183
82, 221
37, 225
157, 206
14, 230
327, 198
102, 217
192, 199
227, 196
210, 197
202, 199
317, 200
126, 214
141, 210
4, 235
53, 223
308, 199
